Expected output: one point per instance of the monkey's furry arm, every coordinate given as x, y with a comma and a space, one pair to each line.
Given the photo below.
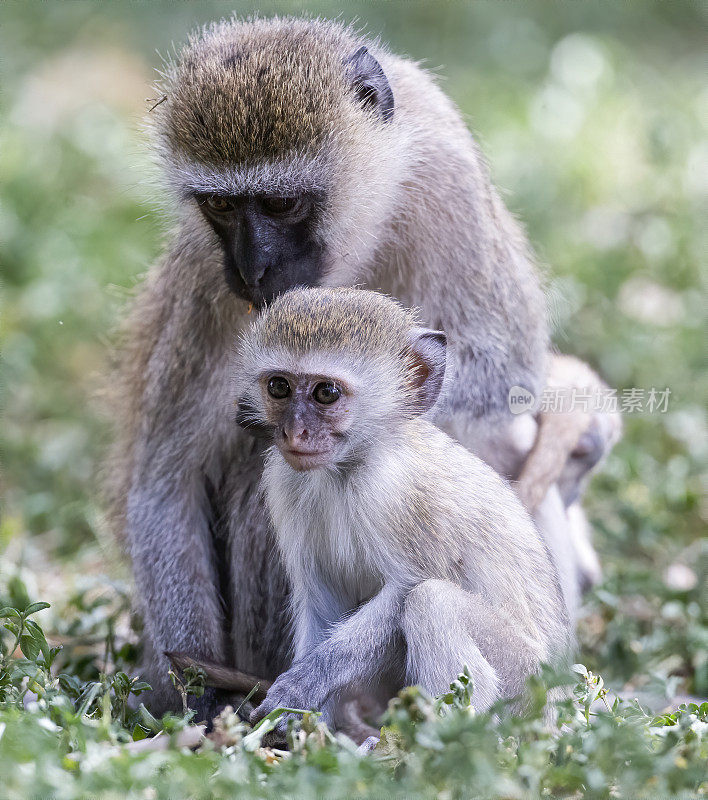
357, 650
314, 615
170, 547
154, 478
556, 438
167, 524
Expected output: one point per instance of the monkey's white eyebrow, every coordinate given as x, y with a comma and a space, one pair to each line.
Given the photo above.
300, 177
315, 363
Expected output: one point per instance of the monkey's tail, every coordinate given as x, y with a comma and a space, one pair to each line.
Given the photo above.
222, 677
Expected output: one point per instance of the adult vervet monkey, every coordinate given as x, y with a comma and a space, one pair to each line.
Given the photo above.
297, 153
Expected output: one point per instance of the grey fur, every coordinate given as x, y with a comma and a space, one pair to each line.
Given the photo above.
410, 210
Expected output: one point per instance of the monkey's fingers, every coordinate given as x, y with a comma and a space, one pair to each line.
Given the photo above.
222, 677
268, 706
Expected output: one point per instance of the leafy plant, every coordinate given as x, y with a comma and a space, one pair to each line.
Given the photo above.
74, 737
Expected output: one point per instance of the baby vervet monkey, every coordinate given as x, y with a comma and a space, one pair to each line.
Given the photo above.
407, 555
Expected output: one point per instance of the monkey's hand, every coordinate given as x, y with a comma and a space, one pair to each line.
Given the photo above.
353, 654
296, 689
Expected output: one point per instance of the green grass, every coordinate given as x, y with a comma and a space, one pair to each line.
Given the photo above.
590, 115
64, 737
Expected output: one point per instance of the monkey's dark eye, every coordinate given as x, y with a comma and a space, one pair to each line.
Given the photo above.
278, 387
326, 393
280, 205
217, 204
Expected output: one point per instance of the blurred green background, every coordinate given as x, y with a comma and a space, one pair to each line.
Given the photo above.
590, 116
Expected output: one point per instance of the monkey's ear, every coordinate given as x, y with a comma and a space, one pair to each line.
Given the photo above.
429, 352
370, 83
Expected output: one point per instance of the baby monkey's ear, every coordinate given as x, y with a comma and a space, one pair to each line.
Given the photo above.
429, 353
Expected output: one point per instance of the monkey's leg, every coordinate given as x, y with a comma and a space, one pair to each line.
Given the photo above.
580, 534
350, 720
357, 713
551, 519
446, 627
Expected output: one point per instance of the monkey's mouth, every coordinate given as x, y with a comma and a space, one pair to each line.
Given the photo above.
302, 460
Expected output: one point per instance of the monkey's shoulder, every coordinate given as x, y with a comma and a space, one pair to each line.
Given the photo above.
457, 487
437, 451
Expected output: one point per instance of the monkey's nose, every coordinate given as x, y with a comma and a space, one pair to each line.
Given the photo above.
591, 446
294, 431
298, 436
253, 277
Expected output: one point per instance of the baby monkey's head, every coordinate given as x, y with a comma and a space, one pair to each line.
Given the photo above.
330, 372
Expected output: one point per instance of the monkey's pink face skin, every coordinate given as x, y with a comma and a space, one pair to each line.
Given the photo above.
310, 416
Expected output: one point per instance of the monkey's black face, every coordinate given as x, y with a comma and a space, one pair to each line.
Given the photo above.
268, 241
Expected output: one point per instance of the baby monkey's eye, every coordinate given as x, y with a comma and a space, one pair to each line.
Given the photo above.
278, 387
326, 393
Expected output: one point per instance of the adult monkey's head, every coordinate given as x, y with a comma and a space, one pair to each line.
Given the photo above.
282, 137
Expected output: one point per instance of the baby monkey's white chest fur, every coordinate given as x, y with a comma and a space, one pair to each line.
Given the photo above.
326, 533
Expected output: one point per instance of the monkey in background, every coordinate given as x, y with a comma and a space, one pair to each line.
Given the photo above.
297, 152
570, 443
408, 556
